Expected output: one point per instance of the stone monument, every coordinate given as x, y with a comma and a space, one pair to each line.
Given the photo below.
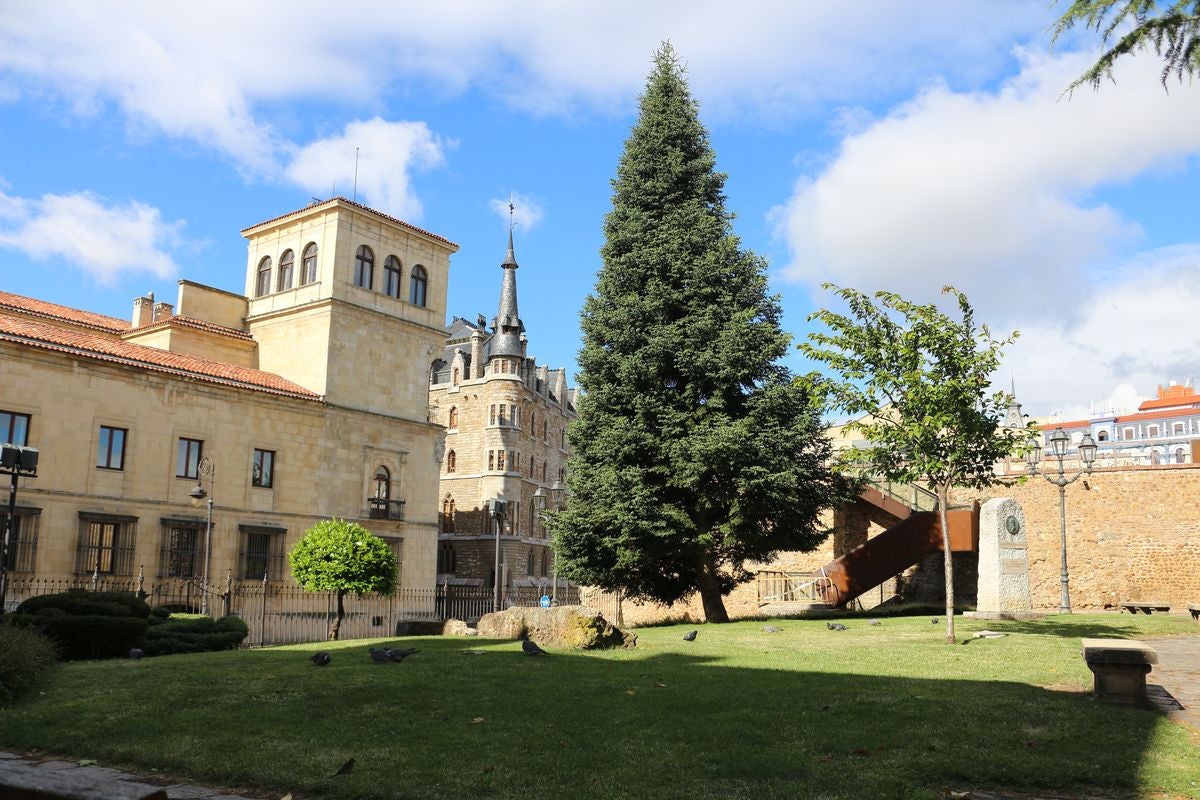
1003, 561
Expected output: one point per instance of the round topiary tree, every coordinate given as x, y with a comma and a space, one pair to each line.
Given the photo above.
339, 556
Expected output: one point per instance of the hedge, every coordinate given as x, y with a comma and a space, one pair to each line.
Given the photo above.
25, 655
85, 636
194, 635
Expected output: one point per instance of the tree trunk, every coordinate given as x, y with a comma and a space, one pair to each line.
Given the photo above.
943, 493
710, 592
337, 621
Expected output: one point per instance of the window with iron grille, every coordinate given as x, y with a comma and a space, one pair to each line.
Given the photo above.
182, 554
14, 428
261, 553
187, 461
106, 544
22, 545
263, 471
110, 448
396, 545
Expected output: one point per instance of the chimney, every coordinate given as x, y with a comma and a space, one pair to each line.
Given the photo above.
143, 310
163, 311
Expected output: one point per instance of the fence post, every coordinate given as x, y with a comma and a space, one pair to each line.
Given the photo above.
262, 628
226, 598
96, 578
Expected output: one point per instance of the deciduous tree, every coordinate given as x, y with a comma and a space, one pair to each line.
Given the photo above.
917, 381
339, 556
693, 449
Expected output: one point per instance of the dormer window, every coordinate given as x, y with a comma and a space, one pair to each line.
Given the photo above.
262, 286
364, 267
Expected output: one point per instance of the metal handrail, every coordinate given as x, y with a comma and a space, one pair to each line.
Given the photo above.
912, 495
794, 587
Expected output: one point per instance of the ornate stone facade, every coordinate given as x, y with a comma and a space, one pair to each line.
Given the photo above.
506, 418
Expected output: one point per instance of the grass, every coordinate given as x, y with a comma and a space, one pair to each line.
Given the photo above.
884, 711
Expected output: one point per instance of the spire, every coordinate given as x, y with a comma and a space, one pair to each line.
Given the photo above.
1012, 415
507, 326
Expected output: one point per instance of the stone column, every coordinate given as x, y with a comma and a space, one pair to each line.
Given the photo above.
1003, 561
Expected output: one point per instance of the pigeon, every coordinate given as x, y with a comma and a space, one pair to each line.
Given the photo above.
345, 769
135, 653
473, 652
379, 656
835, 626
690, 636
874, 622
531, 649
321, 659
935, 621
401, 654
771, 629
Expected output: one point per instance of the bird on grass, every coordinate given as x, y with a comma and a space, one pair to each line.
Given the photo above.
690, 636
345, 769
835, 626
531, 648
935, 621
874, 622
771, 629
321, 659
380, 657
400, 654
135, 653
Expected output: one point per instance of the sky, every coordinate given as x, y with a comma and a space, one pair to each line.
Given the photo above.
879, 145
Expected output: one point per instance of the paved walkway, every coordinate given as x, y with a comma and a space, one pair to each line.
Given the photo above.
119, 784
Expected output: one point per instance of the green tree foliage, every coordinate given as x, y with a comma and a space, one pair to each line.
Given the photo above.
339, 556
1126, 26
693, 449
917, 381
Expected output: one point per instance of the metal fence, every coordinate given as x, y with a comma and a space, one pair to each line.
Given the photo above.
278, 614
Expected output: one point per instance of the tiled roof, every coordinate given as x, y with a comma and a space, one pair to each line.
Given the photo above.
359, 206
1141, 416
44, 310
178, 320
49, 336
1168, 402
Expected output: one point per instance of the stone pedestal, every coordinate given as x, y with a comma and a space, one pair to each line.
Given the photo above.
1003, 561
1119, 669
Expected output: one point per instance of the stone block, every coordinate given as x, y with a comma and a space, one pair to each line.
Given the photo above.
1119, 668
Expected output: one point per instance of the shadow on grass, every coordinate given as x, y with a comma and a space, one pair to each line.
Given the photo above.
1073, 627
660, 723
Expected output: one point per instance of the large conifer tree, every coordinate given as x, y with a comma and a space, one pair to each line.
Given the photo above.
693, 450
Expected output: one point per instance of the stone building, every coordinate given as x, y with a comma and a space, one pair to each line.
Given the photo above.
506, 418
303, 398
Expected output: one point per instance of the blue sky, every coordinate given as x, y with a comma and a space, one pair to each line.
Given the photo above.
887, 145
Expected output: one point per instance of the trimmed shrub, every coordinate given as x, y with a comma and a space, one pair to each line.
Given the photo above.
25, 655
86, 636
194, 634
85, 624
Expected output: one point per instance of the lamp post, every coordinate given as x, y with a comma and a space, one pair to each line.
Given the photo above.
198, 495
557, 495
1058, 448
496, 507
14, 460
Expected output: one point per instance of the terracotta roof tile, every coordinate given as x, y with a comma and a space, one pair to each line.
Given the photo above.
360, 207
178, 320
1168, 402
40, 308
50, 336
1141, 416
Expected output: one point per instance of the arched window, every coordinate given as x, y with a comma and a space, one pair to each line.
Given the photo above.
447, 520
543, 472
1102, 436
453, 417
418, 281
308, 267
454, 380
383, 483
263, 284
562, 439
529, 563
364, 267
1179, 455
545, 560
562, 473
286, 262
532, 423
451, 461
437, 372
391, 276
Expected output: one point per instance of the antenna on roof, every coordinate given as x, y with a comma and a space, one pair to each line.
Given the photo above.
355, 198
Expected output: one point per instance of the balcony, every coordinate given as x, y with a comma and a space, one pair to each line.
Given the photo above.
382, 508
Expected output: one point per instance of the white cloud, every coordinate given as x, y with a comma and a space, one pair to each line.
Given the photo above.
1130, 336
989, 191
106, 240
526, 211
388, 152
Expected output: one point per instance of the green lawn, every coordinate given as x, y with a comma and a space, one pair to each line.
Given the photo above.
884, 711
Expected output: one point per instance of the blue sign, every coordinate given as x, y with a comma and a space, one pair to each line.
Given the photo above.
545, 601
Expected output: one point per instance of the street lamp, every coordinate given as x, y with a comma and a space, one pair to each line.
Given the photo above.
1058, 448
198, 495
15, 460
496, 508
557, 494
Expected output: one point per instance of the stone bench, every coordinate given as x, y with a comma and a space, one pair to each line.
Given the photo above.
1147, 607
1119, 668
1194, 610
